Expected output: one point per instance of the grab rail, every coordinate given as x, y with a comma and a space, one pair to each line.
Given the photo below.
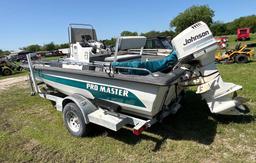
134, 68
105, 65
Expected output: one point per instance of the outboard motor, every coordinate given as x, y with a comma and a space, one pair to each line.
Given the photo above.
196, 49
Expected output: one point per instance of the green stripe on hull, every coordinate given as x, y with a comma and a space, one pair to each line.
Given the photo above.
97, 90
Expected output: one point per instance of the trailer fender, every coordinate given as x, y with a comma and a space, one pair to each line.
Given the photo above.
85, 105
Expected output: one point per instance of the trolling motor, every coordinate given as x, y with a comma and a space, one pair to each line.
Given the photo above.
196, 49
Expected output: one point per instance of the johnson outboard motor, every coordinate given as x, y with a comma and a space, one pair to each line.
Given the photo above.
196, 49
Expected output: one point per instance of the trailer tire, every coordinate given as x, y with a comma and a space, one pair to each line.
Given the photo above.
74, 121
7, 72
240, 58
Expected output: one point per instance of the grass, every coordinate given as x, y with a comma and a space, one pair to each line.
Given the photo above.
31, 130
232, 41
16, 74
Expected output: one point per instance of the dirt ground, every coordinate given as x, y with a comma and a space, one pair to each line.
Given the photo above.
9, 82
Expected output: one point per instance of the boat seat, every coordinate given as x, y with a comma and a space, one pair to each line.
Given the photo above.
122, 58
152, 66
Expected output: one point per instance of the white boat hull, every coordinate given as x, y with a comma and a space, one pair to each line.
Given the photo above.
135, 98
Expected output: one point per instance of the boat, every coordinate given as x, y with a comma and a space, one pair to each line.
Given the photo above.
133, 89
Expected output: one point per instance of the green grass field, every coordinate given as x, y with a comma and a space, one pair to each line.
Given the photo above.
16, 74
31, 130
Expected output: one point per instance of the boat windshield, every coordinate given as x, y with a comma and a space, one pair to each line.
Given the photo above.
166, 44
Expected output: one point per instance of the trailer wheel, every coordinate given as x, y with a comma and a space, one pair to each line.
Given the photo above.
74, 121
240, 58
7, 72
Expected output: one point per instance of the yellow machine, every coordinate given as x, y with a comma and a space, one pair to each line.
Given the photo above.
241, 54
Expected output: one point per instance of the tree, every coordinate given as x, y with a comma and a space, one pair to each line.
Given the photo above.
49, 47
170, 34
63, 46
242, 22
33, 48
151, 34
110, 42
191, 16
129, 33
157, 34
219, 29
4, 53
